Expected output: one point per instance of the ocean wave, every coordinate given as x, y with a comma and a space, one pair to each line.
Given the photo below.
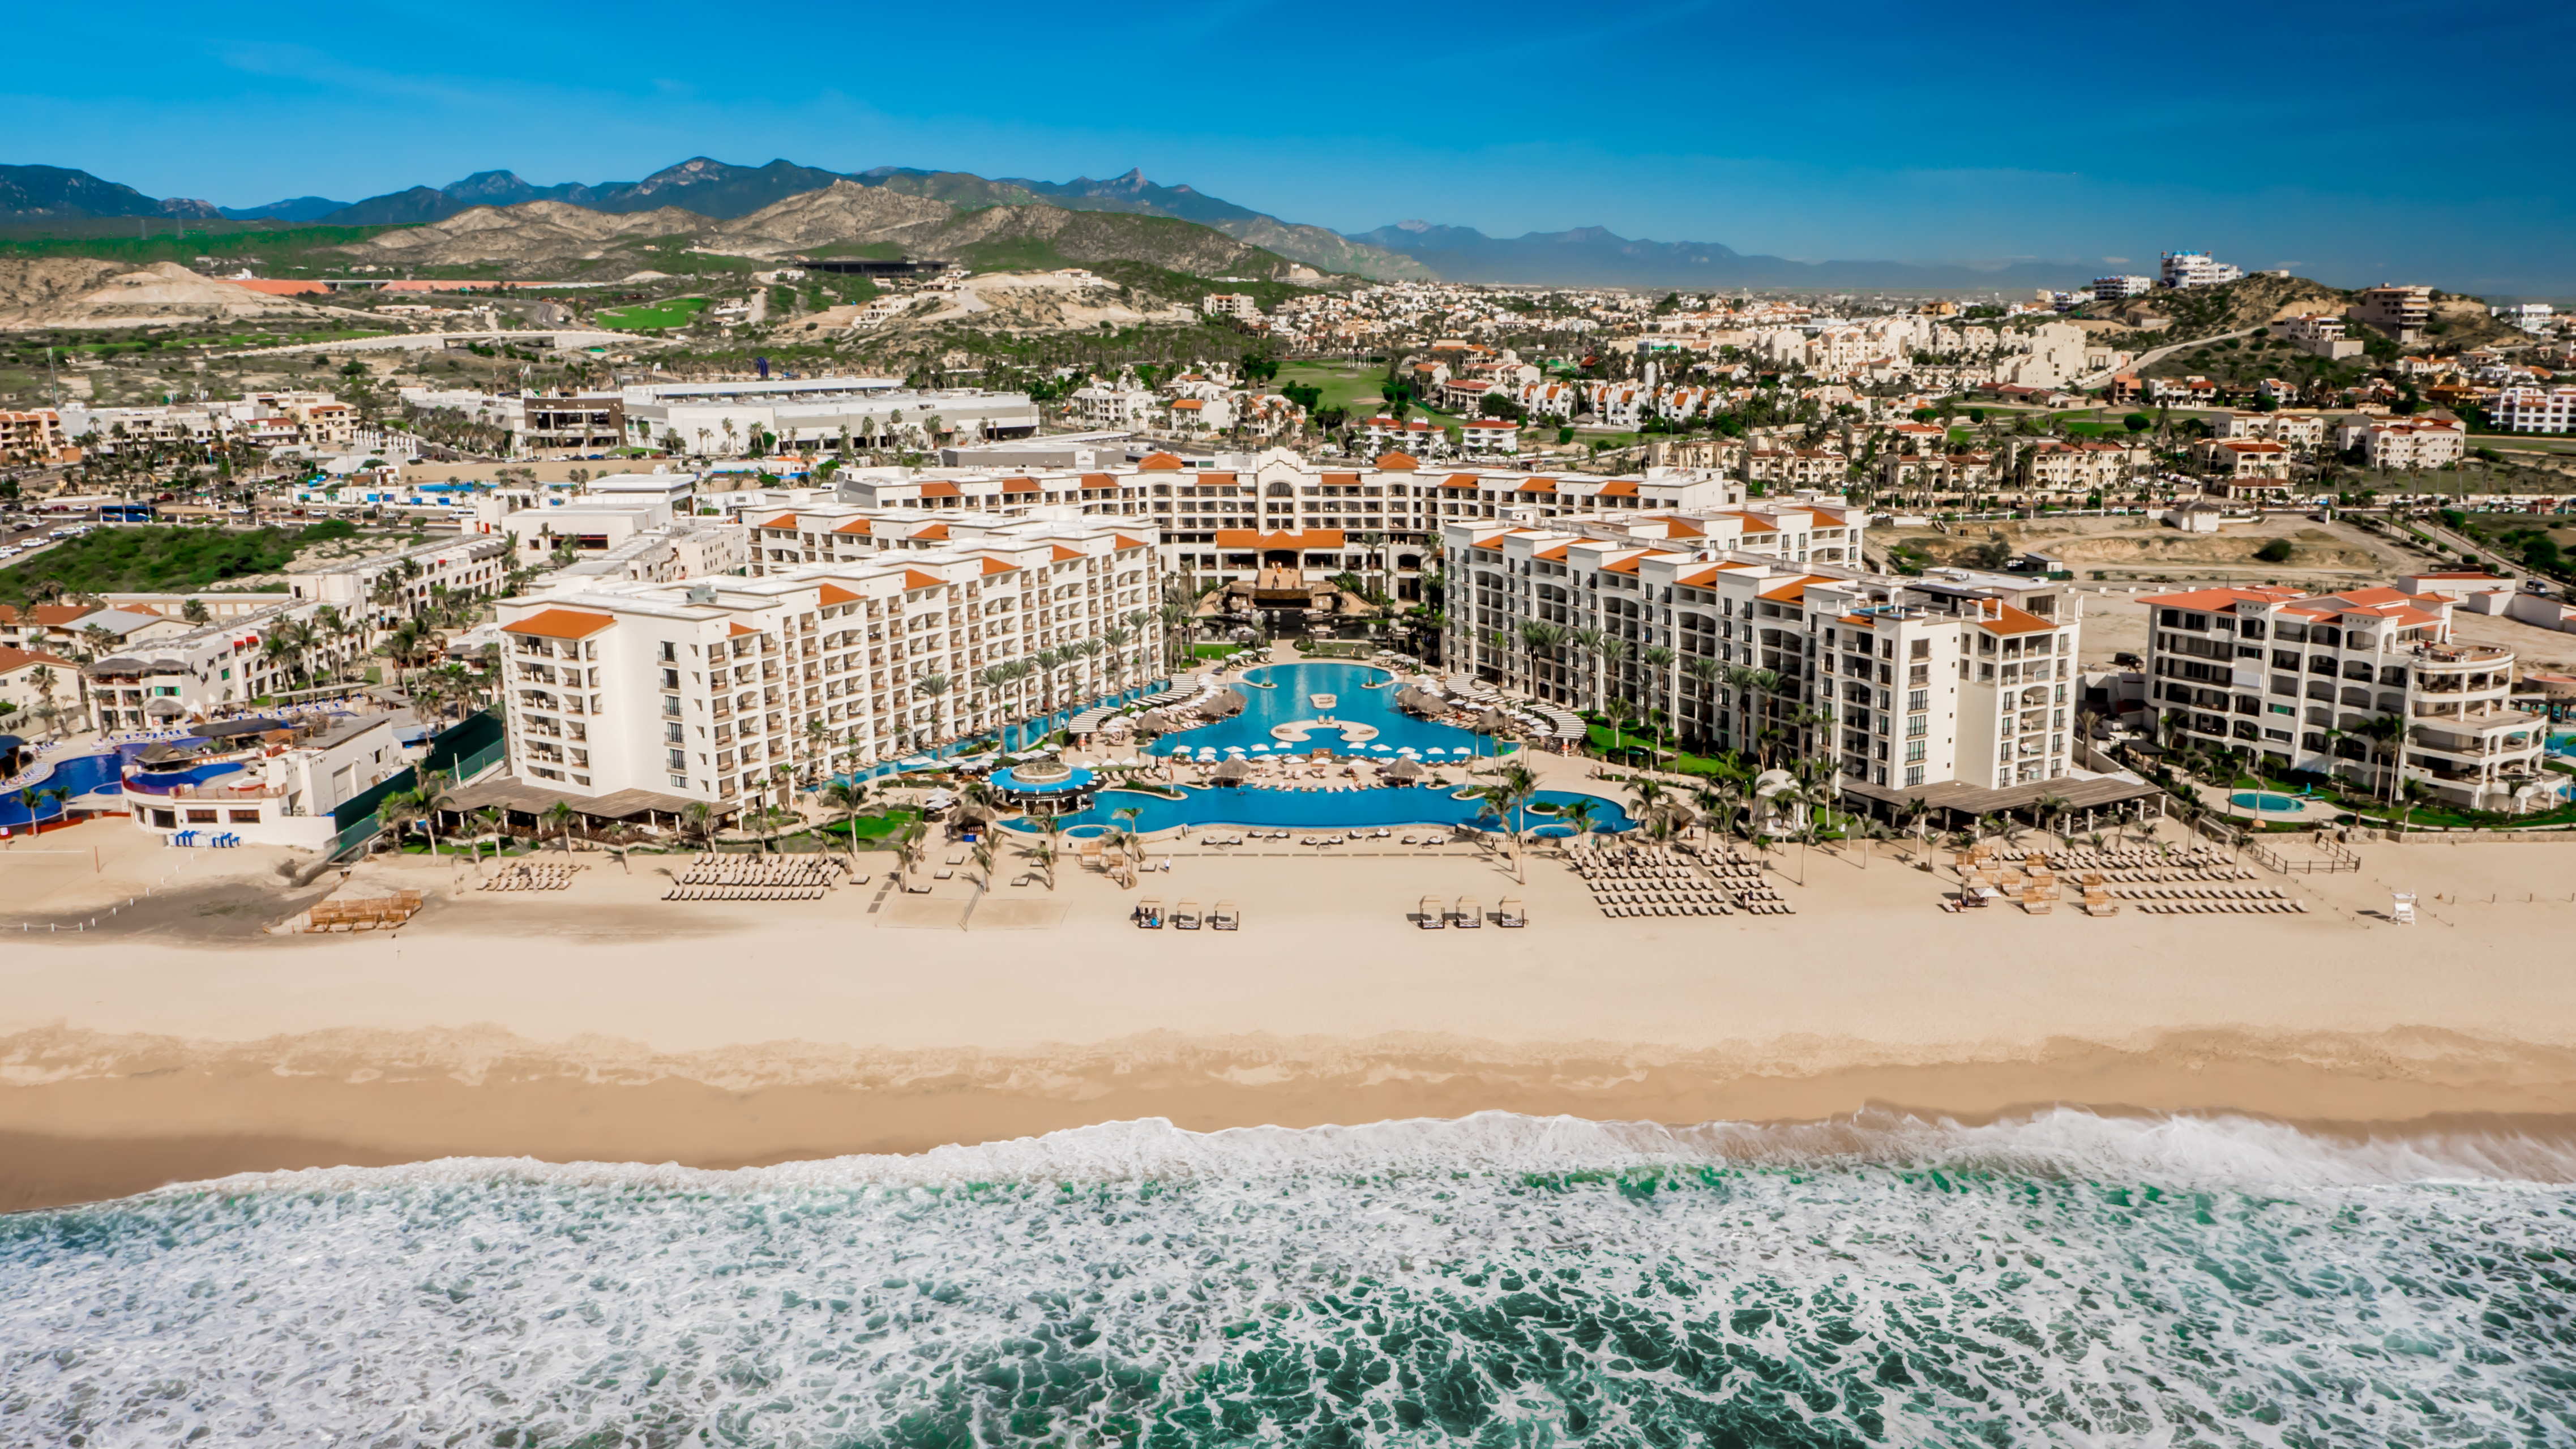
2060, 1278
2223, 1150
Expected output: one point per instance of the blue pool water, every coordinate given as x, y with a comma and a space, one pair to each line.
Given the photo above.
1298, 809
1361, 696
81, 774
2252, 800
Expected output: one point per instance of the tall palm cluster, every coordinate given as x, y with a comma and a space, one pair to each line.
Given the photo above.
1711, 702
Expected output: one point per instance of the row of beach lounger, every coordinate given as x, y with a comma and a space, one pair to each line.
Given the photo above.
1665, 903
542, 876
747, 893
762, 871
2224, 908
2214, 893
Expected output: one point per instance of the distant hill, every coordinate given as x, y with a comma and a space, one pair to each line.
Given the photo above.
707, 187
1593, 256
564, 238
37, 193
294, 208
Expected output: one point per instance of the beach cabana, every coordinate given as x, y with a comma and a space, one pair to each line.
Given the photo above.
1185, 916
1405, 772
1149, 914
1509, 912
1226, 917
1433, 913
1470, 915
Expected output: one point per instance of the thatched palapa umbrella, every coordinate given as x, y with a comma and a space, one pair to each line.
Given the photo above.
1223, 704
1233, 772
1405, 771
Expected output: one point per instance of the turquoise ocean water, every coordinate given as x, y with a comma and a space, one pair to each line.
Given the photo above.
1496, 1281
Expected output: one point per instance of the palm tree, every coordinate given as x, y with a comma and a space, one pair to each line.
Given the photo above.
698, 822
486, 821
1705, 672
1042, 855
42, 676
1579, 814
930, 687
1720, 801
1911, 817
1659, 659
1508, 798
1115, 639
983, 857
847, 796
2051, 808
430, 798
560, 816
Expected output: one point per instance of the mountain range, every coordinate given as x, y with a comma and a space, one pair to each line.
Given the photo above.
1410, 250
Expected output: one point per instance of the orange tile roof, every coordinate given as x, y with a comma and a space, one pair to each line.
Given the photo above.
1299, 539
994, 566
1160, 463
1618, 488
1063, 554
916, 579
784, 520
2212, 600
835, 594
2009, 620
1537, 485
1342, 480
560, 624
933, 531
1398, 462
1094, 482
16, 659
1555, 555
1122, 541
1625, 565
939, 488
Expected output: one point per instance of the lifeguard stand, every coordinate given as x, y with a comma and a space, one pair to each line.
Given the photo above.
2403, 910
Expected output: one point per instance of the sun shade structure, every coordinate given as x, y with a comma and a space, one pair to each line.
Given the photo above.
1224, 704
1233, 772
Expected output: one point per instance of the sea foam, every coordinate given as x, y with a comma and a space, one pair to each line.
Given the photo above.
2059, 1278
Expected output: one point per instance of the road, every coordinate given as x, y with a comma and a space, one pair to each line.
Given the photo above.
2150, 358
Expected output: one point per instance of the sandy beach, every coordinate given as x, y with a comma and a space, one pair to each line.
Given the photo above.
177, 1040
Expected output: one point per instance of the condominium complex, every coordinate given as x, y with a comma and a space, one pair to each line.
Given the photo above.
2198, 269
2411, 443
1252, 513
1900, 682
726, 690
2401, 312
2534, 410
2352, 683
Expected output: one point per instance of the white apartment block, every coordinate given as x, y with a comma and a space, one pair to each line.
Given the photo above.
2080, 466
2198, 269
1113, 405
2298, 430
726, 418
2534, 410
2301, 679
2527, 316
1230, 304
2319, 335
2411, 443
1259, 512
391, 587
2401, 312
732, 691
1898, 682
2121, 289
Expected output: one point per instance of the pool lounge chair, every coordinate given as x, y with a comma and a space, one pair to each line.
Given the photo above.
1508, 912
1470, 915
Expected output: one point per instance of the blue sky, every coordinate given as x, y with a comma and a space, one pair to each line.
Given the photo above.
2357, 143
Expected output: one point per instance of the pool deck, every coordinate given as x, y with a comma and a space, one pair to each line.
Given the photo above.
2309, 812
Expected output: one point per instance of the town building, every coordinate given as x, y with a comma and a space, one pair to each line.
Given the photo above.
2533, 410
2362, 683
1231, 304
2410, 443
31, 678
1901, 684
731, 691
31, 437
2401, 312
2198, 269
2121, 289
2319, 335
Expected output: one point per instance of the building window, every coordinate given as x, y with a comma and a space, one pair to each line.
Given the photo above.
1914, 774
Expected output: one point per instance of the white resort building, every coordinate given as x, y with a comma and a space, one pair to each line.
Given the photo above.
728, 690
2353, 684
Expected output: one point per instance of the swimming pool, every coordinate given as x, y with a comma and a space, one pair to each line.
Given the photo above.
2268, 803
81, 774
1316, 809
1284, 694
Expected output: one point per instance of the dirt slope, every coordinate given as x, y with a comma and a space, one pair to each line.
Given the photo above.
842, 212
65, 292
534, 233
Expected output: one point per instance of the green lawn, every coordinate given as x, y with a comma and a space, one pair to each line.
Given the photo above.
677, 312
1352, 386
